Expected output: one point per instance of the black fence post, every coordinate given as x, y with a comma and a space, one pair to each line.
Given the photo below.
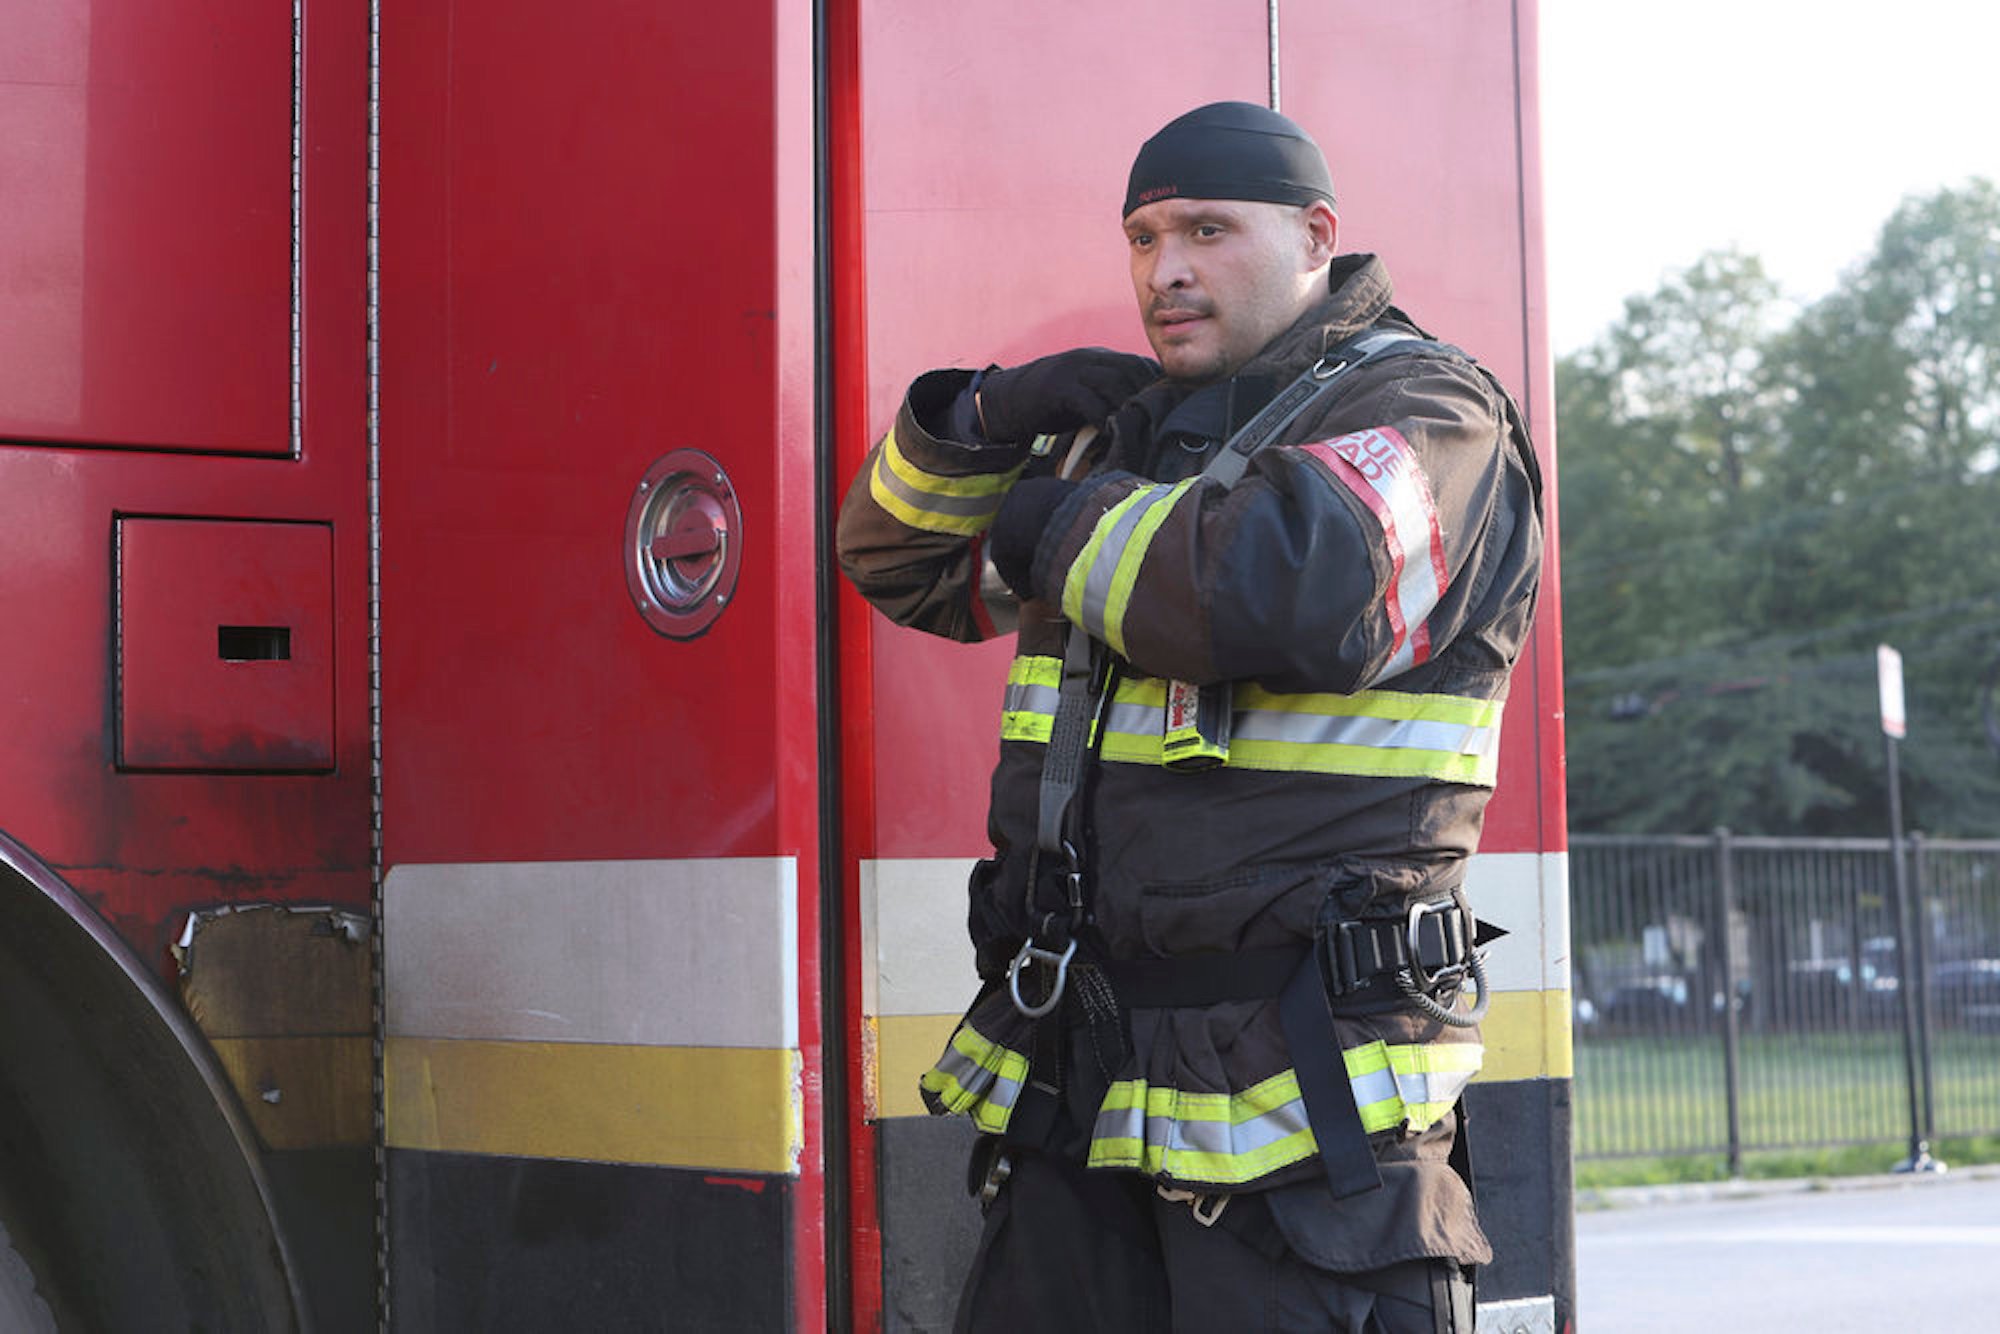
1921, 953
1732, 1072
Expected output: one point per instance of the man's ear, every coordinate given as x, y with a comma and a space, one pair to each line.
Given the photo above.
1322, 233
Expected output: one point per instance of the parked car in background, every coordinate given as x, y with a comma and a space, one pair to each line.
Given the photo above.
1966, 993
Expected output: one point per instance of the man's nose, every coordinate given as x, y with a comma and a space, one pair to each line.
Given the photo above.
1170, 268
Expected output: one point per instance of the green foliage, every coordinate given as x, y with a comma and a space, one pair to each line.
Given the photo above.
1751, 503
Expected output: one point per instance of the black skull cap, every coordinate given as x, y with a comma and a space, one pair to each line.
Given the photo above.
1229, 150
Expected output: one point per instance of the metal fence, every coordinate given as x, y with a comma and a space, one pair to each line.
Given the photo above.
1737, 994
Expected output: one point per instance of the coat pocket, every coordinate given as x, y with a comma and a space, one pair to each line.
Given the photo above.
1263, 906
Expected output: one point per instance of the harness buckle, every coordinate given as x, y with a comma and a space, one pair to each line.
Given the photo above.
1354, 953
1068, 876
1073, 890
1031, 953
1205, 1208
996, 1177
1436, 958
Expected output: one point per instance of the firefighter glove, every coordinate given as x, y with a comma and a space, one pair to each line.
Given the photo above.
1057, 393
1017, 529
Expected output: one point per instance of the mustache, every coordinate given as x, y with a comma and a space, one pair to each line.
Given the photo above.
1178, 305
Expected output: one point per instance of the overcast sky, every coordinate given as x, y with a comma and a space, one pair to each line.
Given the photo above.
1788, 128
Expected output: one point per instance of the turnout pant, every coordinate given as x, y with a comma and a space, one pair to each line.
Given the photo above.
1065, 1249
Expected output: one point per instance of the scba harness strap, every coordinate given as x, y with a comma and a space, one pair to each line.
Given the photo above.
1352, 966
1084, 692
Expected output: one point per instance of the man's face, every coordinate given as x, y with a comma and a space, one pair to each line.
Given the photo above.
1217, 279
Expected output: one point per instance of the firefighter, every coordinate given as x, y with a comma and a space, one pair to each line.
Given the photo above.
1268, 591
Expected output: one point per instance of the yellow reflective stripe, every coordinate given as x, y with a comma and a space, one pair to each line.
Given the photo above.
1235, 1138
1034, 670
1076, 583
1022, 725
1378, 733
933, 502
1416, 1083
1029, 678
1467, 710
1369, 734
1126, 747
1098, 587
1133, 747
1221, 1138
1125, 575
977, 1077
939, 484
1318, 757
956, 1101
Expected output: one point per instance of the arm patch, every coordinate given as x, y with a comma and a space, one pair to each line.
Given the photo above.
1378, 467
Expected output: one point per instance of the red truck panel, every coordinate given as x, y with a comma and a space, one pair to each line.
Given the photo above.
993, 235
581, 276
150, 250
225, 645
146, 302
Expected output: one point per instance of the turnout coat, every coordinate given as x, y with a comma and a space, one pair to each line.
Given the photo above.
1365, 588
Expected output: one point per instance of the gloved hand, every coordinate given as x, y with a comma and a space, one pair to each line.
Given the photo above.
1059, 393
1017, 529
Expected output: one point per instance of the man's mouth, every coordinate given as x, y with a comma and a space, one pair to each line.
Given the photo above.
1175, 317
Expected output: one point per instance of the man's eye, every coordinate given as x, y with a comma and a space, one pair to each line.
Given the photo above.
1208, 231
1142, 240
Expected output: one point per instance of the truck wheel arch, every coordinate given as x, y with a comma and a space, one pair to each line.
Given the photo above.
130, 1180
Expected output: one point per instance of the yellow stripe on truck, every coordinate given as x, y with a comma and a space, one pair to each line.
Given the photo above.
718, 1108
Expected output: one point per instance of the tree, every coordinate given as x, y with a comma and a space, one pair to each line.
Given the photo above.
1749, 507
1666, 429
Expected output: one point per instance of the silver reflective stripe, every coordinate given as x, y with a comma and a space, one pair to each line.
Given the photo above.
1026, 698
1297, 727
1103, 574
936, 502
976, 1080
1352, 730
1135, 719
1237, 1140
1375, 1086
1439, 1086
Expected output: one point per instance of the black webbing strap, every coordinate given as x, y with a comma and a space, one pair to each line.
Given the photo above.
1203, 979
1069, 740
1233, 459
1040, 1098
1460, 1157
1195, 981
1322, 1075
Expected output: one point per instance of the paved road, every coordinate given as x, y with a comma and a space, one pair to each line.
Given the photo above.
1887, 1254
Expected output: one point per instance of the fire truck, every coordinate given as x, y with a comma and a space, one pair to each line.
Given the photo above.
465, 863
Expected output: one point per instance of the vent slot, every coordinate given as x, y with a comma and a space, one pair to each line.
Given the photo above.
253, 643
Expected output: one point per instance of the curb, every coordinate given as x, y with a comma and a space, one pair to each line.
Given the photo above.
1704, 1192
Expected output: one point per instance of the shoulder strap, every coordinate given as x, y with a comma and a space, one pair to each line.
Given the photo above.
1233, 459
1082, 691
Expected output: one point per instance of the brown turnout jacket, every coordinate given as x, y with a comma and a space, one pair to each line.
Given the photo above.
1366, 588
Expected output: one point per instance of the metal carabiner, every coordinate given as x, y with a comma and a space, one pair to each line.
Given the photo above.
1417, 983
1029, 953
1426, 979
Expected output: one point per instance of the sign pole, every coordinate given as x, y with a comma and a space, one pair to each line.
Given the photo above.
1909, 986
